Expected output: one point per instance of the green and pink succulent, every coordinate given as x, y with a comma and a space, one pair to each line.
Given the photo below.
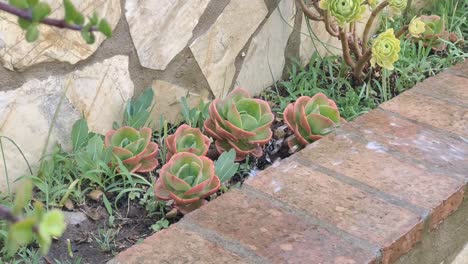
311, 118
187, 179
134, 148
187, 139
434, 33
241, 123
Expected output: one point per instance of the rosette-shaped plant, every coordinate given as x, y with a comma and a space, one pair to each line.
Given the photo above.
241, 123
344, 11
134, 148
434, 34
311, 118
385, 50
187, 139
398, 6
416, 27
187, 179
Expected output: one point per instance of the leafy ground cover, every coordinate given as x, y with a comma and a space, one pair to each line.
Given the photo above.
110, 203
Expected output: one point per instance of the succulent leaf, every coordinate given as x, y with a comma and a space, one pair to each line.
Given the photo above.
133, 148
241, 123
187, 139
187, 179
311, 118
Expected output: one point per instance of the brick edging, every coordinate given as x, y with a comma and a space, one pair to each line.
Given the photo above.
368, 193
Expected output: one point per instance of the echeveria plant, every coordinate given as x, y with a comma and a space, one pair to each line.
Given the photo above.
416, 27
385, 50
241, 123
311, 118
344, 11
434, 34
134, 148
187, 139
398, 6
187, 179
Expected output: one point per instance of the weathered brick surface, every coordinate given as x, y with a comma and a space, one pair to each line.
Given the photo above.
445, 86
371, 164
349, 208
176, 245
366, 194
413, 141
276, 234
428, 110
460, 69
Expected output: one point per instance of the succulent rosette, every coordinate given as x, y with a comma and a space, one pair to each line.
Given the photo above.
134, 148
311, 118
187, 139
241, 123
398, 6
434, 35
187, 179
385, 50
344, 11
416, 27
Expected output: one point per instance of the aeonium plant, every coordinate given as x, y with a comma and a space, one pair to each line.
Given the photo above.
240, 122
187, 179
187, 139
340, 18
311, 118
134, 148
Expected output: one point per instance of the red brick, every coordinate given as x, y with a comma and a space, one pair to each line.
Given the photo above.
350, 209
274, 233
176, 245
460, 69
445, 86
413, 141
372, 165
425, 109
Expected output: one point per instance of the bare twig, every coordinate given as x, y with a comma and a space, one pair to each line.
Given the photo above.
308, 13
27, 15
354, 41
357, 70
370, 22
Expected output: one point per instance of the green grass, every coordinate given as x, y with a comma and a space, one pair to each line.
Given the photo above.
329, 75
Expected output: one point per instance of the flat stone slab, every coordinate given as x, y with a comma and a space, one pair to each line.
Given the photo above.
368, 193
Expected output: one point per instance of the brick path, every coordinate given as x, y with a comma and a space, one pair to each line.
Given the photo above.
366, 194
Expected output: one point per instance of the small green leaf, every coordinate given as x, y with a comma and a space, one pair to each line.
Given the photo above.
32, 33
40, 11
87, 35
225, 166
79, 134
32, 2
105, 28
22, 231
23, 4
79, 19
53, 223
70, 11
23, 196
24, 23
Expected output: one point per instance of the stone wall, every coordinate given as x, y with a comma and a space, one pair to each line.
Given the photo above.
200, 48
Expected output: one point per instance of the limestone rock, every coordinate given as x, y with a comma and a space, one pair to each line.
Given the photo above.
217, 49
53, 44
26, 114
167, 101
160, 29
265, 59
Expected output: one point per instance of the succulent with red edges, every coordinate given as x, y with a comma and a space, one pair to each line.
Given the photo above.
311, 118
241, 123
187, 179
134, 148
187, 139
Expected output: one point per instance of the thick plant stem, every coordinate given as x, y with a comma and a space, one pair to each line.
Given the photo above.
308, 13
357, 70
344, 44
328, 25
27, 15
401, 31
370, 22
